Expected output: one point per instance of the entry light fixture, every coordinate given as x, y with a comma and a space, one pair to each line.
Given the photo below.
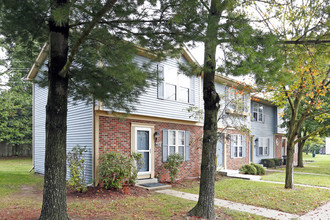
156, 135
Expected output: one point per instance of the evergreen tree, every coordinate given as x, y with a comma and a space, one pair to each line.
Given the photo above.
91, 50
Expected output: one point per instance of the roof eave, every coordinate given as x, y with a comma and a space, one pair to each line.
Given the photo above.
39, 62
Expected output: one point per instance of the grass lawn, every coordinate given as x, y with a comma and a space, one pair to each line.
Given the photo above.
308, 179
268, 195
21, 198
321, 164
14, 173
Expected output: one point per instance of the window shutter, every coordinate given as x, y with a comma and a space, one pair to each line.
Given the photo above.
192, 91
257, 146
165, 145
268, 143
244, 146
231, 146
246, 103
187, 146
263, 114
252, 118
160, 82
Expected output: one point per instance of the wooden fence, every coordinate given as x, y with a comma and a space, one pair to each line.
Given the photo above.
19, 150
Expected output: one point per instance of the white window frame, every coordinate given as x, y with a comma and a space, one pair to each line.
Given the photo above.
256, 108
177, 145
238, 146
263, 143
177, 85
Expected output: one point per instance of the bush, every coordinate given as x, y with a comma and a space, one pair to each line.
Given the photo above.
172, 164
278, 162
248, 169
268, 162
76, 165
116, 169
259, 168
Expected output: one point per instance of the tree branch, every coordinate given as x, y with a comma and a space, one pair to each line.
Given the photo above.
312, 134
108, 5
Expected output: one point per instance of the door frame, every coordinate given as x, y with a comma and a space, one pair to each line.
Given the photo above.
144, 127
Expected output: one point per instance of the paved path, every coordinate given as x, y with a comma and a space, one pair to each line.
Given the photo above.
321, 213
295, 184
283, 171
269, 213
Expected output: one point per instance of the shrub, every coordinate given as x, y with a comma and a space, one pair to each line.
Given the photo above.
278, 162
248, 169
76, 165
268, 162
259, 168
172, 164
116, 169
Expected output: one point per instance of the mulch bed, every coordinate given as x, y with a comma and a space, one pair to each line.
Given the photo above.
99, 192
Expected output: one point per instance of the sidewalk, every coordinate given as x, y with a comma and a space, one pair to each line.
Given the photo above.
295, 184
269, 213
283, 171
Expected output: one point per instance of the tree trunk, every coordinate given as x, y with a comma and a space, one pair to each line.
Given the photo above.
300, 153
205, 204
54, 198
289, 164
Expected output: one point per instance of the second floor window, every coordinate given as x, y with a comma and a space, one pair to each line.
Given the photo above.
176, 85
258, 112
236, 100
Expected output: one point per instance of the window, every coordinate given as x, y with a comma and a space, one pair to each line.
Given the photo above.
236, 100
237, 145
176, 86
263, 146
176, 142
258, 112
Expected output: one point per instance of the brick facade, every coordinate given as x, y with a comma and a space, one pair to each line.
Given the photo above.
115, 136
236, 163
278, 145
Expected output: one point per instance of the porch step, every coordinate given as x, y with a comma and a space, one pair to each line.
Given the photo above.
151, 184
148, 180
228, 172
245, 176
236, 174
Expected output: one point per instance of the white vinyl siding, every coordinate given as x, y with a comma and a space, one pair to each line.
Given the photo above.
79, 130
153, 103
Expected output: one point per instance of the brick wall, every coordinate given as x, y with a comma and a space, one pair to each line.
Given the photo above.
115, 135
236, 163
278, 146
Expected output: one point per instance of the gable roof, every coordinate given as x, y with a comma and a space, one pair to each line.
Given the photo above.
141, 51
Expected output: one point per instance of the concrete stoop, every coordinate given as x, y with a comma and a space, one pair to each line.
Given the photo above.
236, 174
151, 184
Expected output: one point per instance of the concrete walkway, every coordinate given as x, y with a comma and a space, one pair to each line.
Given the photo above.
283, 171
321, 213
269, 213
295, 184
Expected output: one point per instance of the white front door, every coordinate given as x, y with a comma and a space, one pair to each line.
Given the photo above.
143, 146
